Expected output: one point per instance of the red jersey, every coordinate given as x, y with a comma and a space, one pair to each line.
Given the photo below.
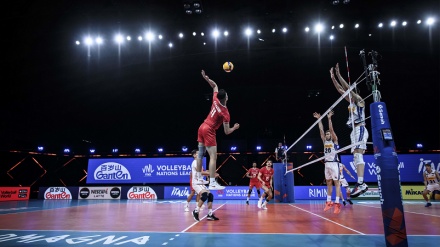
218, 114
253, 172
266, 175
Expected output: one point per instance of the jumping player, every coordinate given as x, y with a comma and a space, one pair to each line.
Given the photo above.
253, 175
206, 138
331, 171
359, 133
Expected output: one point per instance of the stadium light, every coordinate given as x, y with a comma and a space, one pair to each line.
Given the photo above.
393, 23
88, 41
66, 150
92, 151
284, 30
226, 33
99, 40
307, 29
341, 25
356, 26
160, 150
184, 149
419, 145
140, 38
215, 33
419, 21
380, 25
430, 21
319, 28
258, 148
137, 150
115, 150
233, 148
248, 32
119, 39
180, 35
40, 148
404, 23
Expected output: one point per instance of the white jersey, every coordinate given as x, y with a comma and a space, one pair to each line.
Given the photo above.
431, 177
357, 113
330, 151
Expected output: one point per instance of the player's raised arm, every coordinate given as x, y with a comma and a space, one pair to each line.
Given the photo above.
211, 82
321, 127
330, 127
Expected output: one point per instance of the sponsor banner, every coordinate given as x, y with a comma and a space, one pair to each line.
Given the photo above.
14, 193
412, 192
411, 166
230, 192
56, 193
320, 192
99, 193
141, 192
140, 170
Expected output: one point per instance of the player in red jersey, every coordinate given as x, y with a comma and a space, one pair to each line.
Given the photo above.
265, 176
252, 173
218, 115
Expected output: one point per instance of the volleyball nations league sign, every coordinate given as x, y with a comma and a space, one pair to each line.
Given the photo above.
139, 170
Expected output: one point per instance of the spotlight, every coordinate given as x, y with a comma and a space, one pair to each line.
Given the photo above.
356, 26
115, 150
248, 32
194, 33
273, 30
419, 145
128, 38
226, 33
66, 150
319, 28
335, 2
140, 38
258, 148
215, 33
332, 37
170, 45
99, 40
307, 29
184, 149
346, 1
137, 150
393, 23
430, 21
92, 151
341, 25
380, 25
40, 148
284, 30
404, 23
419, 21
180, 35
160, 36
119, 39
202, 34
258, 31
77, 42
160, 150
88, 41
309, 147
233, 148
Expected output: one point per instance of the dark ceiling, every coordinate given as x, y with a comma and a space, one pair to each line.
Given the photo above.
58, 94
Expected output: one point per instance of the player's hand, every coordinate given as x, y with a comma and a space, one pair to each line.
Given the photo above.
337, 68
330, 114
331, 73
236, 126
316, 115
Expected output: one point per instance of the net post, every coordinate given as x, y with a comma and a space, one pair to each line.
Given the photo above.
388, 178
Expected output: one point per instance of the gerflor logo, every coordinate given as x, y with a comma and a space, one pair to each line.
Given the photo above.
382, 120
148, 170
111, 171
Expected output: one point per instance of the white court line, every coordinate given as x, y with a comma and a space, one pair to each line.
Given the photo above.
186, 229
351, 229
404, 211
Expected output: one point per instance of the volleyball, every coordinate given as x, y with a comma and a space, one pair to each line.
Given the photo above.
228, 67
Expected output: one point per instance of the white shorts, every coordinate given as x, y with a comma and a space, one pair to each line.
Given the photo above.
198, 187
331, 170
432, 187
359, 134
343, 182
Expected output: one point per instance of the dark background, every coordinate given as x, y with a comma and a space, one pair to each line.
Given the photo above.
57, 94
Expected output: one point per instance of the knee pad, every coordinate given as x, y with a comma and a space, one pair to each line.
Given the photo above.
201, 153
204, 196
210, 197
358, 159
250, 191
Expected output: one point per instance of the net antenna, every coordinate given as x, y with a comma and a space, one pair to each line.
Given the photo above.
371, 73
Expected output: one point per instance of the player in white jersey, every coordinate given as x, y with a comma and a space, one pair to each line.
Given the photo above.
359, 134
331, 171
203, 191
344, 183
431, 179
193, 192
